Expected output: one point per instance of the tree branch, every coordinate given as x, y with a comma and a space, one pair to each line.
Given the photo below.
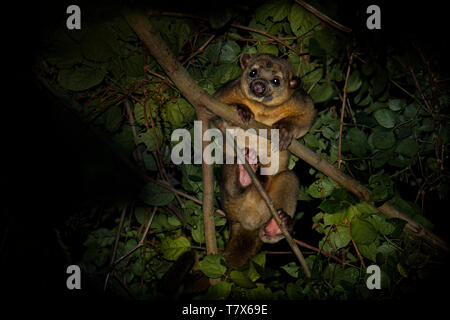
323, 17
208, 191
198, 97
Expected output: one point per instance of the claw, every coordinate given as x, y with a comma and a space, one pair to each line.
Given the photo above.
245, 114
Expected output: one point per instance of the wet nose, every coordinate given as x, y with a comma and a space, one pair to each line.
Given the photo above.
258, 88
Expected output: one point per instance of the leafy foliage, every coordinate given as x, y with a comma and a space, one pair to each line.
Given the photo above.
394, 140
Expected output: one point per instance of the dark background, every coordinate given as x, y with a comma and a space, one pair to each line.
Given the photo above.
41, 174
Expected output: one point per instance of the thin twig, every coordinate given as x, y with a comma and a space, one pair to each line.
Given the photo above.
430, 110
199, 50
344, 98
119, 228
181, 193
148, 226
305, 245
139, 245
237, 26
354, 243
153, 73
267, 35
323, 17
132, 121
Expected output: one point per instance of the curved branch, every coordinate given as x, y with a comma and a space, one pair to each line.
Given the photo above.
198, 97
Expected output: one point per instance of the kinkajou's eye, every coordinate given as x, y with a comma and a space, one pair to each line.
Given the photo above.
276, 82
253, 73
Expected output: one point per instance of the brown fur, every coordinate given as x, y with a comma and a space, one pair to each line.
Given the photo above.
281, 106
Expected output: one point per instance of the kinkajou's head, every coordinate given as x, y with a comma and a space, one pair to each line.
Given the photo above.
267, 79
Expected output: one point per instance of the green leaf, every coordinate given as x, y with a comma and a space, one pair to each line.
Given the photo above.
410, 111
386, 118
230, 52
311, 140
357, 141
322, 92
140, 214
198, 229
136, 268
354, 82
173, 248
220, 18
362, 231
267, 48
334, 219
292, 269
278, 10
343, 194
381, 186
179, 112
207, 85
191, 177
258, 26
212, 51
369, 251
379, 81
396, 104
349, 275
381, 225
294, 291
154, 195
382, 139
212, 266
147, 138
219, 291
225, 72
173, 221
341, 237
259, 293
386, 250
332, 206
149, 161
81, 77
427, 125
133, 65
301, 21
257, 262
364, 119
321, 188
239, 278
160, 222
112, 118
407, 147
380, 158
182, 33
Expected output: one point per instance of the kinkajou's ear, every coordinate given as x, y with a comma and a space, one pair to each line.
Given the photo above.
294, 82
245, 59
